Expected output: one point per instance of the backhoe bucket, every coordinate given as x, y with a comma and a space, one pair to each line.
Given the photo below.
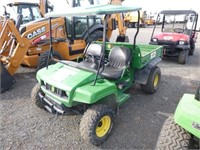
121, 38
6, 79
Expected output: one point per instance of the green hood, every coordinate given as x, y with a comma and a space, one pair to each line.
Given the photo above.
187, 114
76, 83
64, 76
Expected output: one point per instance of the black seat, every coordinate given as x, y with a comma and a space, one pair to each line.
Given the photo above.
119, 59
92, 56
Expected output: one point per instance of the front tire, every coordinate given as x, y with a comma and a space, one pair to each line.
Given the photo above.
96, 124
172, 136
153, 82
183, 56
35, 97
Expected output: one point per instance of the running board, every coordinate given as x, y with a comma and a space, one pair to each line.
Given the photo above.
122, 97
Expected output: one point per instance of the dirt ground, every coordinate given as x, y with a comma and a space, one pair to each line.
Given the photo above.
24, 126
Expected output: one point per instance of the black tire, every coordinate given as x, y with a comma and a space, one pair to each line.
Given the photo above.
35, 97
183, 56
135, 25
92, 119
191, 51
130, 25
172, 137
42, 61
153, 82
197, 94
96, 36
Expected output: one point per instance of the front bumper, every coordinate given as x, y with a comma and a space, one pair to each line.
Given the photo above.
171, 48
52, 106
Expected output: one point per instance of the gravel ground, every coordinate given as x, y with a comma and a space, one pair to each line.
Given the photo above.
24, 126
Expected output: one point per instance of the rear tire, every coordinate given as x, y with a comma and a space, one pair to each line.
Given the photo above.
42, 61
153, 82
96, 36
183, 56
172, 136
35, 97
97, 123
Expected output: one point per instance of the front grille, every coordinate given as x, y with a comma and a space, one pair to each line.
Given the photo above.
55, 90
164, 42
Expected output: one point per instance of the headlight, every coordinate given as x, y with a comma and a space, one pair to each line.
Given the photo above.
155, 40
181, 42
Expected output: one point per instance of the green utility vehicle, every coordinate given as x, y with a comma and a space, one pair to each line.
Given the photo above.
96, 86
182, 131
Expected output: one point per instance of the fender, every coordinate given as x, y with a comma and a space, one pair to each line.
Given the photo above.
142, 75
110, 101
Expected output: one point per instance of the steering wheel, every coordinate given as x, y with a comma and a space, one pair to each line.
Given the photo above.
178, 30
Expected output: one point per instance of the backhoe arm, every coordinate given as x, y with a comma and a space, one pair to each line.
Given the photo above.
120, 19
44, 6
17, 52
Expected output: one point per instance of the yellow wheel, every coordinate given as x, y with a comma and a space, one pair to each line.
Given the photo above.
153, 81
156, 80
97, 123
103, 126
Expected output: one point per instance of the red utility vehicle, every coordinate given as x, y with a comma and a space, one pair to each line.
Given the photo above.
177, 37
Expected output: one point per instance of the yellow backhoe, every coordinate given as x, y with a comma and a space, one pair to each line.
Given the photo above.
30, 11
28, 44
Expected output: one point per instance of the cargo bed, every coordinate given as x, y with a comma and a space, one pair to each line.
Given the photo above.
142, 54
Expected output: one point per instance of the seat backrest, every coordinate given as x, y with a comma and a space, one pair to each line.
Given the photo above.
119, 57
94, 50
92, 57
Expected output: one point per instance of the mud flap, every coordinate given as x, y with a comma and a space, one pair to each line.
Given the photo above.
6, 79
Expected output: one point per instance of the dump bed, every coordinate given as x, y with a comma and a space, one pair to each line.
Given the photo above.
141, 54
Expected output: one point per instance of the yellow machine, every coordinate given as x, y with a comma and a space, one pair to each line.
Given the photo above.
28, 44
131, 18
30, 11
150, 19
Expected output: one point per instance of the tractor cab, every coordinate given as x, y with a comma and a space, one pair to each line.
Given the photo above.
29, 11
